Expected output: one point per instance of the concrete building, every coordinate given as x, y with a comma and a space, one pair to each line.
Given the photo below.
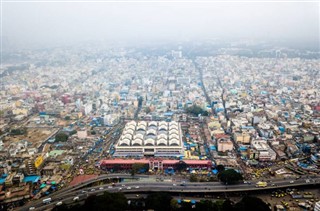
224, 145
153, 138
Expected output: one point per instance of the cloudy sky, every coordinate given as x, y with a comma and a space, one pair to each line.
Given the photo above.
47, 23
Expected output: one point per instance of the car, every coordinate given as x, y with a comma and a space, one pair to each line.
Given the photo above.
128, 188
76, 198
120, 188
32, 208
110, 187
137, 187
92, 189
101, 188
83, 191
291, 181
123, 185
174, 184
273, 184
59, 203
307, 181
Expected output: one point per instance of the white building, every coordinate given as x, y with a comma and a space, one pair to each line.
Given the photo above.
161, 139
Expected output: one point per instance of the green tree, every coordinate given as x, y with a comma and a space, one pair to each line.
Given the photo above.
220, 168
18, 131
136, 167
72, 132
227, 205
250, 203
116, 167
147, 110
193, 178
196, 110
229, 176
106, 202
61, 137
174, 204
206, 205
158, 201
181, 166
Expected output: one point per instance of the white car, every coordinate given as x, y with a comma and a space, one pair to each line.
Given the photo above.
92, 189
110, 187
76, 198
32, 208
291, 181
101, 188
59, 203
137, 187
128, 188
307, 181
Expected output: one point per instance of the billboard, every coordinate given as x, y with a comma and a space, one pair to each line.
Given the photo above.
38, 161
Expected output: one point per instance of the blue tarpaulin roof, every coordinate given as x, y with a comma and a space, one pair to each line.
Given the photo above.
215, 171
2, 180
32, 179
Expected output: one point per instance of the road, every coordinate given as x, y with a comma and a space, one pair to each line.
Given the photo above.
82, 191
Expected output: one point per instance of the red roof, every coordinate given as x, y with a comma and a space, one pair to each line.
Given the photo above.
123, 161
217, 136
81, 178
167, 162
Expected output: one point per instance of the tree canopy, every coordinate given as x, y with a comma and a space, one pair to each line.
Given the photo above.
159, 201
250, 203
229, 176
220, 168
61, 137
196, 110
181, 165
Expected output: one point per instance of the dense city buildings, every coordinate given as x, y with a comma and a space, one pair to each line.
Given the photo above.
116, 109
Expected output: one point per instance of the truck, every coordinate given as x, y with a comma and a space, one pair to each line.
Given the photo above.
261, 184
46, 201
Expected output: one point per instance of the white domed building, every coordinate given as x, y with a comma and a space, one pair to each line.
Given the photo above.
154, 138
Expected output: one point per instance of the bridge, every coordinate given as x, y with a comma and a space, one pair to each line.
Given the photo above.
84, 189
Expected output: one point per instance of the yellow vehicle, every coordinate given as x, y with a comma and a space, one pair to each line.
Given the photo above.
261, 184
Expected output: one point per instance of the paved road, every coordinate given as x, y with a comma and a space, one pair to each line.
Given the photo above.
67, 195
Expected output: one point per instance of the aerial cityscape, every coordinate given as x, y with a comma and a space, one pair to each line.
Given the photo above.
132, 120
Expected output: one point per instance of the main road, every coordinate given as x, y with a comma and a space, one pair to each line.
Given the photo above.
83, 191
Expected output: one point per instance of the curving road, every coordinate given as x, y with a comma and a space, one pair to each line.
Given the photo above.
67, 195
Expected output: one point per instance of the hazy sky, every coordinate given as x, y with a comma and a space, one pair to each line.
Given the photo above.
34, 24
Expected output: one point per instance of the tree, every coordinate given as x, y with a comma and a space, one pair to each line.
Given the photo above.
72, 132
250, 203
147, 110
181, 166
196, 110
61, 137
206, 205
193, 178
158, 201
106, 202
220, 168
19, 131
227, 205
229, 176
116, 167
137, 167
174, 204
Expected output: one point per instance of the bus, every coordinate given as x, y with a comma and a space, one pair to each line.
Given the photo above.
261, 184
